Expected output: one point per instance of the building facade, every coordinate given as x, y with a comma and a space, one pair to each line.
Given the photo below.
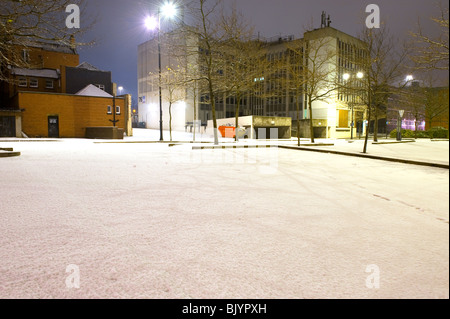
53, 95
274, 93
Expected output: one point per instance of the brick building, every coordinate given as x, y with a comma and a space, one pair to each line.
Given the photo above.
54, 95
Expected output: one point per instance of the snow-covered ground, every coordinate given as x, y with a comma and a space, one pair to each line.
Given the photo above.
147, 220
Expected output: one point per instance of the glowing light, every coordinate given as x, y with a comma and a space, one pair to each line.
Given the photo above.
360, 75
169, 10
151, 23
409, 78
346, 76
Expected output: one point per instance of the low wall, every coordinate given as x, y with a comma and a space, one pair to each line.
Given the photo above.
109, 133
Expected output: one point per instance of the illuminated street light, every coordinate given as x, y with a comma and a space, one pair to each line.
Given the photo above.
346, 77
360, 75
151, 23
167, 10
409, 78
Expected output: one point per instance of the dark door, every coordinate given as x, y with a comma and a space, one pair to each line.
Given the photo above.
53, 126
7, 126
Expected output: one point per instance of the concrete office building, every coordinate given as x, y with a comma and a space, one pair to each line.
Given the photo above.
333, 115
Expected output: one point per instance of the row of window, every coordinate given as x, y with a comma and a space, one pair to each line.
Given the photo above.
34, 83
109, 111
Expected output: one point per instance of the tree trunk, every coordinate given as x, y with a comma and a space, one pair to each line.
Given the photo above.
238, 106
298, 119
170, 120
375, 125
367, 129
311, 120
416, 124
195, 111
213, 107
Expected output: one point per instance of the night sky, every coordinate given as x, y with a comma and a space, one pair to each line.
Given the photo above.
119, 29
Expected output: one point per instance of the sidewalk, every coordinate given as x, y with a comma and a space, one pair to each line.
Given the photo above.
420, 152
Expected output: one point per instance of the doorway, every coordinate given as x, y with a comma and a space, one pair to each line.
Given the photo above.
53, 126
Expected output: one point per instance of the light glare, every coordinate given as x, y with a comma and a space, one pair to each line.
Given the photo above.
151, 23
169, 10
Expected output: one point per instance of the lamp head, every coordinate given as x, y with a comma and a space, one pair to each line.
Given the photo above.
151, 23
169, 10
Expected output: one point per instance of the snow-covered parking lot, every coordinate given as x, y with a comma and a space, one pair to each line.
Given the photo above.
154, 221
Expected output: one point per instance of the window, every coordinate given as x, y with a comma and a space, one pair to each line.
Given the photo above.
117, 109
343, 118
109, 109
23, 82
26, 56
34, 83
100, 86
49, 84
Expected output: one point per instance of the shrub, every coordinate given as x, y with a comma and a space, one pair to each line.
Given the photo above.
438, 132
410, 134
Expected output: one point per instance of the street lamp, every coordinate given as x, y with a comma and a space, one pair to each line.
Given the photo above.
168, 10
399, 125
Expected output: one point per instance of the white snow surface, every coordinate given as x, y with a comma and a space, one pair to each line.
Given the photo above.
92, 90
146, 220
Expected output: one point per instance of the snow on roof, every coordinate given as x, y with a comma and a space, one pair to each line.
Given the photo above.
39, 73
88, 66
92, 90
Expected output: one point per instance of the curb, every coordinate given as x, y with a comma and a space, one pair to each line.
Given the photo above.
153, 142
389, 159
27, 141
396, 142
232, 147
9, 154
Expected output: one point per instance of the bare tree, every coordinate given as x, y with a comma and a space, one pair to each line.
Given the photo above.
173, 84
436, 103
244, 60
413, 100
208, 49
383, 67
319, 72
432, 52
27, 22
296, 77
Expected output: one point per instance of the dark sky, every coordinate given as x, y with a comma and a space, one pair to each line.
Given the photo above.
119, 29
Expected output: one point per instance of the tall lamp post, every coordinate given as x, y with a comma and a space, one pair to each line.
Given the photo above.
168, 10
399, 124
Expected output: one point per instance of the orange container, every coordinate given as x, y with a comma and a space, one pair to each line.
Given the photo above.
227, 131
